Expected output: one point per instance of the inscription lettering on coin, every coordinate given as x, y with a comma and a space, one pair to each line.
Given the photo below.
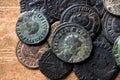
52, 67
29, 55
71, 43
32, 27
113, 6
99, 66
85, 16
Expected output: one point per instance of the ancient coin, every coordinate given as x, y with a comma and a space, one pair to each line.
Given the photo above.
32, 27
113, 6
85, 16
111, 27
116, 51
52, 28
52, 67
99, 66
29, 55
71, 43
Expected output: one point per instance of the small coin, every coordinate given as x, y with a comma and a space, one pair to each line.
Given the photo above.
116, 51
112, 6
111, 27
52, 67
99, 66
71, 43
53, 27
83, 15
32, 27
29, 55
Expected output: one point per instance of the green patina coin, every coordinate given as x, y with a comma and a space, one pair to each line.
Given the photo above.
71, 43
32, 27
116, 51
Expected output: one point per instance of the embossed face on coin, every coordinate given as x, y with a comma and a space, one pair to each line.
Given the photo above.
113, 6
85, 16
29, 55
71, 43
32, 27
99, 66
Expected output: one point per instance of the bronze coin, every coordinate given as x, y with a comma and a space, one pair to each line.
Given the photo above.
71, 43
52, 28
29, 55
112, 6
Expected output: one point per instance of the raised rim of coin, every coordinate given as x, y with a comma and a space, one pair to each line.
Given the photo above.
32, 27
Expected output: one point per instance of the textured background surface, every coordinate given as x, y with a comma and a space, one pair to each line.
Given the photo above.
10, 68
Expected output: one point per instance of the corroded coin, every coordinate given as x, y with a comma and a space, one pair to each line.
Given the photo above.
85, 16
116, 51
29, 55
52, 67
32, 27
52, 28
111, 27
71, 43
99, 66
113, 6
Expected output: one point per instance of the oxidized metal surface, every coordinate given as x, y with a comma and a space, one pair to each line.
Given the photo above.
99, 66
85, 16
116, 51
111, 27
71, 43
113, 6
52, 28
52, 67
29, 55
32, 27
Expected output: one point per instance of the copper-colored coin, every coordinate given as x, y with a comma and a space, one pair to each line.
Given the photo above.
53, 27
29, 55
113, 6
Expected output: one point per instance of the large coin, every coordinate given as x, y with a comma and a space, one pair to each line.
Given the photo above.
32, 27
111, 27
29, 55
113, 6
85, 16
116, 51
99, 66
52, 67
71, 43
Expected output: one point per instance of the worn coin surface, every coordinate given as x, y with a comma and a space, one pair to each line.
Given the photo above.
52, 28
116, 51
85, 16
29, 55
71, 43
111, 27
52, 67
113, 6
99, 66
32, 27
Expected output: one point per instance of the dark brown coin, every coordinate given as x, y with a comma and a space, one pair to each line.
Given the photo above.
111, 27
29, 55
52, 67
85, 16
99, 66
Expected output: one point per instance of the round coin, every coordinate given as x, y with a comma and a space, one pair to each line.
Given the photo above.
53, 27
83, 15
71, 43
111, 27
32, 27
99, 66
52, 67
29, 55
112, 6
116, 51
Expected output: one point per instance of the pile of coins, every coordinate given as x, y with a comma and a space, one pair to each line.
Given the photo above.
58, 36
